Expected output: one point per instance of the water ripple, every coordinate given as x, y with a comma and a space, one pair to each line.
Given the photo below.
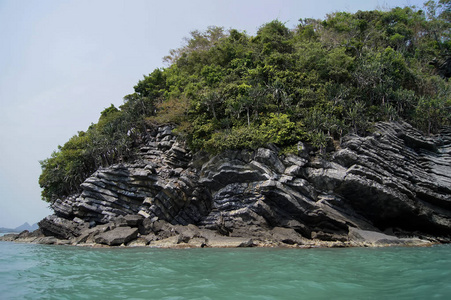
57, 272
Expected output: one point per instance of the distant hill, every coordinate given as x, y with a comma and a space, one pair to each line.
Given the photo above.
24, 226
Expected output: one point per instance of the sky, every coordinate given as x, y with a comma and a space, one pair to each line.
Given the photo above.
63, 62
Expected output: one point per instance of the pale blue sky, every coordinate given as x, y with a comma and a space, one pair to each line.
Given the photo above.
62, 62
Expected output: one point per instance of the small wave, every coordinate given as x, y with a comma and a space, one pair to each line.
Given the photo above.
55, 272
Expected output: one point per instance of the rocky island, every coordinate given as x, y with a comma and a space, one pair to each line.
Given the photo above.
392, 187
335, 133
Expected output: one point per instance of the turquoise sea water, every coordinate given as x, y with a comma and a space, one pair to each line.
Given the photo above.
30, 271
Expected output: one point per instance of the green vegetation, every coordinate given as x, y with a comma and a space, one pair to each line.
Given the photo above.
317, 82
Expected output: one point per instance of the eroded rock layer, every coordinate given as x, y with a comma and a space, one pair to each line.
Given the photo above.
395, 182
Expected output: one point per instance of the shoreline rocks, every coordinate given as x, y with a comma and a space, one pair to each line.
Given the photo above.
392, 187
191, 236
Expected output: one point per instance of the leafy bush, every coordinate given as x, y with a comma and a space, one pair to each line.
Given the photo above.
227, 90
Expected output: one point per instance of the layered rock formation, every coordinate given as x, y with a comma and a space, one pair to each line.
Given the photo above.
389, 188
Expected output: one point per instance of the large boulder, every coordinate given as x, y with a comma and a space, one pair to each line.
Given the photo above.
117, 236
366, 238
61, 228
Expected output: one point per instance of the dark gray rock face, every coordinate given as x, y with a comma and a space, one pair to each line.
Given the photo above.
396, 181
160, 185
399, 178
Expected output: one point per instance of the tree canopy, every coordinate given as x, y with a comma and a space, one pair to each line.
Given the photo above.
314, 83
